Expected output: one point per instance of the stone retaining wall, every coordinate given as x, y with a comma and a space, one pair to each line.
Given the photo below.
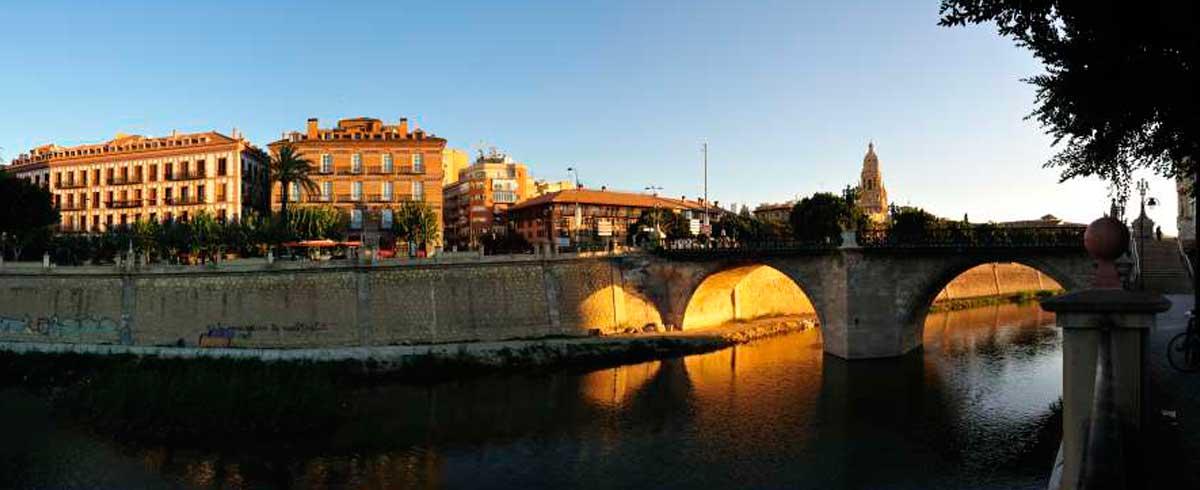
286, 306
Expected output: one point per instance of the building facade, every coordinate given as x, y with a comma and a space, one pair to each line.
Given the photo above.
574, 216
477, 203
1185, 217
130, 178
872, 195
367, 169
453, 161
775, 213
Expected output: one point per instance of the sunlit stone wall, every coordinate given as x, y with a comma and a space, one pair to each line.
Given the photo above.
290, 307
996, 280
745, 293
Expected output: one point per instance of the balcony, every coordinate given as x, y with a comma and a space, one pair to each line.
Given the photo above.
349, 198
70, 185
324, 171
381, 170
193, 175
183, 201
127, 203
409, 169
125, 180
349, 171
78, 206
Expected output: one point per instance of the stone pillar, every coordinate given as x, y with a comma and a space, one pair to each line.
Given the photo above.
1089, 317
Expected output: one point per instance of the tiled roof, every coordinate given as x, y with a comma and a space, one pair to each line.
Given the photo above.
607, 198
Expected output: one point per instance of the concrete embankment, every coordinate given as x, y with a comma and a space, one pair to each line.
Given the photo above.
545, 352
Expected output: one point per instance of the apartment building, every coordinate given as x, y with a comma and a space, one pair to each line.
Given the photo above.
367, 168
97, 187
477, 202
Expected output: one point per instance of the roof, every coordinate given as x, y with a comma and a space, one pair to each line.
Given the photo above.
607, 198
125, 143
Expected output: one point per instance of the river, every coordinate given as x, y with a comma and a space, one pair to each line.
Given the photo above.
970, 410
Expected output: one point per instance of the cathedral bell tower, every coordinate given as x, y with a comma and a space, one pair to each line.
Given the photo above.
872, 196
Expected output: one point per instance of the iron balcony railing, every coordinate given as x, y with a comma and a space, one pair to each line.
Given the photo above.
349, 197
1041, 237
349, 170
409, 169
381, 170
184, 201
70, 185
75, 206
192, 175
125, 203
124, 180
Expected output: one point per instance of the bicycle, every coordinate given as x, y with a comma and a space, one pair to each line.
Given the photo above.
1183, 351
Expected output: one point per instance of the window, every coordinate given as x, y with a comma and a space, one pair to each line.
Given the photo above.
222, 165
168, 171
418, 163
385, 219
110, 176
356, 218
137, 173
167, 195
326, 189
201, 196
386, 191
294, 194
356, 163
387, 163
153, 199
183, 193
326, 163
154, 173
356, 191
221, 192
96, 201
153, 217
418, 190
221, 215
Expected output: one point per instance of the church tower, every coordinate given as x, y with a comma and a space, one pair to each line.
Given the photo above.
872, 196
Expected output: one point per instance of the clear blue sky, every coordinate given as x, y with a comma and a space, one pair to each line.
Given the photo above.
786, 93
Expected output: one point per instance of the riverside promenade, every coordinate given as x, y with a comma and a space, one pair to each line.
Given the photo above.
1176, 397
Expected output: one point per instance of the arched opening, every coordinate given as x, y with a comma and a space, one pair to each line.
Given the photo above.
988, 295
746, 293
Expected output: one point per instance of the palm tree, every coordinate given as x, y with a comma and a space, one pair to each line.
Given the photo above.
290, 166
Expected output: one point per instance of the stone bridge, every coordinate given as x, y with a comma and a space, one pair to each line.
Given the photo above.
871, 299
871, 302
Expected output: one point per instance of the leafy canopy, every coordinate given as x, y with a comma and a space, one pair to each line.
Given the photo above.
1120, 86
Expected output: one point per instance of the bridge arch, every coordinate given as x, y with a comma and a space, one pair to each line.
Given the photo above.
1064, 272
746, 291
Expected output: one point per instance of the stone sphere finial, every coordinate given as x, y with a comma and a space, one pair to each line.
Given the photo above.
1106, 239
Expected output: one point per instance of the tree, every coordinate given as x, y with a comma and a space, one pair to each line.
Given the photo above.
668, 221
909, 221
289, 166
27, 213
821, 218
1120, 81
417, 222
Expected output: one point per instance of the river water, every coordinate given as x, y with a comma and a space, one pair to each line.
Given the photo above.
970, 410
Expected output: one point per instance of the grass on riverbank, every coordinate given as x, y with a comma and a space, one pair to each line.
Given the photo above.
980, 301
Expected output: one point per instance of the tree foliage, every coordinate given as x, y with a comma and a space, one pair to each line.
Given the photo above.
822, 217
289, 166
670, 222
743, 227
1120, 86
417, 222
27, 214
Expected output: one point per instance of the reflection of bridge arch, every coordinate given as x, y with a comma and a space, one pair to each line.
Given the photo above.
744, 292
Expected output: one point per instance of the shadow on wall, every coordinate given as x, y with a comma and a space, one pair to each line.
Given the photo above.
745, 293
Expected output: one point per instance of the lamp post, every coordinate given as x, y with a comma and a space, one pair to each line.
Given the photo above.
577, 219
1143, 187
654, 192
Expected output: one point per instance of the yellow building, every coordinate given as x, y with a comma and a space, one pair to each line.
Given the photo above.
129, 178
477, 203
453, 162
367, 169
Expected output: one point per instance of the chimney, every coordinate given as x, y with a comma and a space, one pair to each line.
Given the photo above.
404, 126
174, 133
312, 128
603, 188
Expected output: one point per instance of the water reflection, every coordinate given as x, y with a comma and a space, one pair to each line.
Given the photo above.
964, 412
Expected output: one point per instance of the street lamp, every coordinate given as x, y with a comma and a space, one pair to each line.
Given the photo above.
1143, 187
578, 218
654, 192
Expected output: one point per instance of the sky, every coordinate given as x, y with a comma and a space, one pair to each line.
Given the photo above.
786, 94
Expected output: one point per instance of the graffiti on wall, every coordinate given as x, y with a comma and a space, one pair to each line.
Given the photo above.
221, 335
67, 328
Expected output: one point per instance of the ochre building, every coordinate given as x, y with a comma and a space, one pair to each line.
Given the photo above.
575, 216
367, 169
101, 186
477, 203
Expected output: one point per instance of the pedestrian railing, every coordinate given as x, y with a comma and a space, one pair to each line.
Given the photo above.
985, 236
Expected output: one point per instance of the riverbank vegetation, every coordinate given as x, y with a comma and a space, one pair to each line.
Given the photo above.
980, 301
